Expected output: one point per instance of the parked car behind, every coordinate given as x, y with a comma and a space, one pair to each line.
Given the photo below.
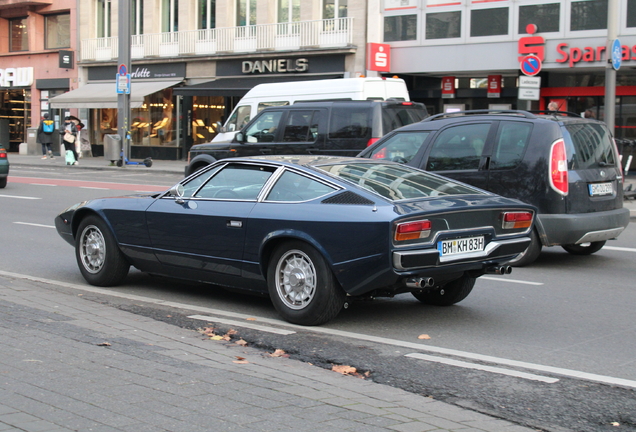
312, 231
565, 165
340, 128
4, 167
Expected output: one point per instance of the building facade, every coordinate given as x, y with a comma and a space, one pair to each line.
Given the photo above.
192, 60
468, 54
37, 47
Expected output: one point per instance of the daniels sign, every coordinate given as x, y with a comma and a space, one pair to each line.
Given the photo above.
275, 66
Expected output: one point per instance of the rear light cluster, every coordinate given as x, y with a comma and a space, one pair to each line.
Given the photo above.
3, 153
559, 167
371, 141
515, 220
413, 230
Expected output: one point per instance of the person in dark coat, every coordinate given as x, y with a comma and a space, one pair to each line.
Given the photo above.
45, 137
69, 127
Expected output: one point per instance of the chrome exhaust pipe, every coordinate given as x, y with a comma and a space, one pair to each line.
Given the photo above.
500, 270
423, 282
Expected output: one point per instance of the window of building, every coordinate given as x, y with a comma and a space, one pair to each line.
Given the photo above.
206, 17
170, 16
57, 31
334, 9
489, 22
443, 25
400, 28
18, 40
588, 15
137, 26
631, 13
288, 11
246, 12
545, 16
103, 18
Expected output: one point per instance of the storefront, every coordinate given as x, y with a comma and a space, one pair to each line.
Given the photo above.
15, 105
154, 108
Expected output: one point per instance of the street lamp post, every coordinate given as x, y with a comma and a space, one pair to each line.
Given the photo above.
610, 71
123, 98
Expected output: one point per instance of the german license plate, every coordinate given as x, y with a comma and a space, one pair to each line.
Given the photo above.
460, 246
598, 189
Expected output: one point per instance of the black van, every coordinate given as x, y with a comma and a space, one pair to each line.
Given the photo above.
339, 128
565, 165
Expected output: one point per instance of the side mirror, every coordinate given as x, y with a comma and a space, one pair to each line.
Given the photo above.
177, 191
219, 127
240, 137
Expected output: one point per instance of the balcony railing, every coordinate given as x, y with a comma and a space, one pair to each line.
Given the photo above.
329, 33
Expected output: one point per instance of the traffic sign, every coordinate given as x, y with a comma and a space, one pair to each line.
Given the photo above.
530, 65
123, 70
617, 54
123, 84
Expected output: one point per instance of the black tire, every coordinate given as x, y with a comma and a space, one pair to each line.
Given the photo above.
3, 183
449, 294
301, 285
584, 248
531, 254
98, 256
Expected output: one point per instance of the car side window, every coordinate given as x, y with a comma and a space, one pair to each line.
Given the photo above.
236, 181
301, 126
193, 185
350, 122
401, 147
295, 187
239, 118
458, 148
510, 145
264, 127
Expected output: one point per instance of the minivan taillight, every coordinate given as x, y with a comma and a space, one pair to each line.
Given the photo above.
559, 167
3, 155
371, 141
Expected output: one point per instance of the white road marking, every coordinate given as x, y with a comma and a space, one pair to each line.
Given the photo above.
34, 224
19, 197
484, 368
43, 184
505, 279
246, 324
620, 249
333, 332
98, 188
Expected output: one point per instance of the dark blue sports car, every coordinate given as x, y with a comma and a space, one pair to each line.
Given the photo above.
314, 232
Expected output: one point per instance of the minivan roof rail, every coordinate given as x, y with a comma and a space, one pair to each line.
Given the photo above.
520, 113
556, 113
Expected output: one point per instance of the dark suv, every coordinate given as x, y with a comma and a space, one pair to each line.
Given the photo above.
565, 165
341, 128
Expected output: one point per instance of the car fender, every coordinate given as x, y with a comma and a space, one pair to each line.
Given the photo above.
199, 162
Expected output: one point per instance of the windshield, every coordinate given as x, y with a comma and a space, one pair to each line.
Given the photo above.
590, 145
397, 182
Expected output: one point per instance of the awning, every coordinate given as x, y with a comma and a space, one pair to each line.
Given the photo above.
240, 86
104, 95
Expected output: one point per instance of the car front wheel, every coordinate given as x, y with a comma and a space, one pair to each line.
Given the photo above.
584, 248
449, 294
98, 256
301, 285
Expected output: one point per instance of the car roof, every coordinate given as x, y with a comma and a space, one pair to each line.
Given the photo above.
327, 104
305, 160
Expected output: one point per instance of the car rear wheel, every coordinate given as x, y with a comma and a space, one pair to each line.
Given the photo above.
3, 183
301, 285
98, 256
584, 248
449, 294
531, 254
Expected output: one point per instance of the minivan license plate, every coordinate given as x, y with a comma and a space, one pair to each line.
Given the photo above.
597, 189
461, 246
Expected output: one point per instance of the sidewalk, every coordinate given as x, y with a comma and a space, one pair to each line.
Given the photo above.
70, 364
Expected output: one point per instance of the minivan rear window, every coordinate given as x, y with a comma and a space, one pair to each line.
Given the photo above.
396, 116
590, 145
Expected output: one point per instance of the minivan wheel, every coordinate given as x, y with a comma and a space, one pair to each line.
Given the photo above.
531, 254
584, 248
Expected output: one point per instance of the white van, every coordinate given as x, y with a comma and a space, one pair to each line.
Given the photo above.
286, 93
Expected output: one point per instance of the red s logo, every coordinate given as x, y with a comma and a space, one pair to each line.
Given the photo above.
532, 44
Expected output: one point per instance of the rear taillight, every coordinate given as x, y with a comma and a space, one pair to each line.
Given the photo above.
406, 103
559, 167
412, 230
371, 141
3, 155
513, 220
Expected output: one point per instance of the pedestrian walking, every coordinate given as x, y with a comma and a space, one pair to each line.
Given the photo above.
69, 136
44, 135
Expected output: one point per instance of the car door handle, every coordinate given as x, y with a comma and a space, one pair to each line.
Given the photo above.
266, 151
235, 224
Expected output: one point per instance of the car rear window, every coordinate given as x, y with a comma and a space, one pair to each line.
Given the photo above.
350, 122
590, 145
395, 116
397, 182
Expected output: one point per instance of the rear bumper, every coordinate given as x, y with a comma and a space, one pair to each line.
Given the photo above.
564, 229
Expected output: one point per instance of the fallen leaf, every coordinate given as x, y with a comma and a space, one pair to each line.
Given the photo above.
251, 319
241, 361
279, 353
169, 316
345, 370
241, 342
103, 344
216, 337
239, 358
423, 336
231, 332
615, 424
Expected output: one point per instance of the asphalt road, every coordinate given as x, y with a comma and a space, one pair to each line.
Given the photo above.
558, 338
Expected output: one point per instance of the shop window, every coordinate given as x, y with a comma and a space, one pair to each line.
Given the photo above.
206, 112
588, 15
245, 12
334, 9
631, 13
103, 18
137, 25
15, 116
545, 16
206, 18
400, 28
18, 40
170, 16
443, 25
489, 22
57, 30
